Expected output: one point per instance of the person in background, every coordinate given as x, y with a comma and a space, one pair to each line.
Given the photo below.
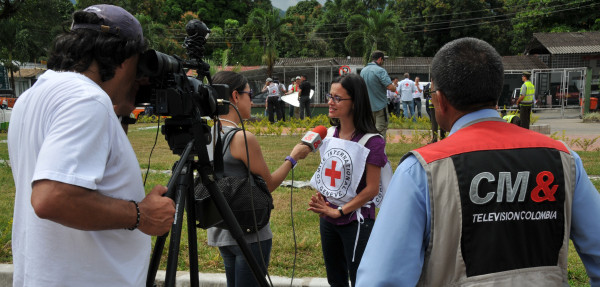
292, 88
477, 209
272, 99
526, 99
393, 99
235, 162
81, 216
428, 90
280, 102
378, 82
417, 97
513, 119
345, 228
304, 97
407, 89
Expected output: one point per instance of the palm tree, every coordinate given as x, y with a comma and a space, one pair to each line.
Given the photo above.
268, 27
369, 32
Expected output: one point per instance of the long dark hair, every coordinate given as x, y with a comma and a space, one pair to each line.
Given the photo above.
234, 80
362, 116
76, 50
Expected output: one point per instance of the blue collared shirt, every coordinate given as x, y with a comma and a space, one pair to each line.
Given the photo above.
396, 250
377, 80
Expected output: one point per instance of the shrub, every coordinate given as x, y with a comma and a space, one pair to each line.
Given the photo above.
591, 118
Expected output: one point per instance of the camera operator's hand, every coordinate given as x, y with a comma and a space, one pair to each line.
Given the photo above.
300, 151
157, 212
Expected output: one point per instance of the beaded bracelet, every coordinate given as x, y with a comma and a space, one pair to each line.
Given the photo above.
137, 221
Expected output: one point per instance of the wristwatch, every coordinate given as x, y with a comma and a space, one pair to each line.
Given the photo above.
340, 210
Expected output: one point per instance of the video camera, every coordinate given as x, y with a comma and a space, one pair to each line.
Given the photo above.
171, 92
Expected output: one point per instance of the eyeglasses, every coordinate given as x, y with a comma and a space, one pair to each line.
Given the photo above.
336, 99
250, 93
431, 92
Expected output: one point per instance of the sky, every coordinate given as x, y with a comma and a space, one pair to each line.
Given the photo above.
284, 4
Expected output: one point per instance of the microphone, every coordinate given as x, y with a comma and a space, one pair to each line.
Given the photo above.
313, 139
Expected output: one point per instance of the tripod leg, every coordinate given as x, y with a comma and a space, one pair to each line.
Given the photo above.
192, 236
155, 259
180, 197
159, 245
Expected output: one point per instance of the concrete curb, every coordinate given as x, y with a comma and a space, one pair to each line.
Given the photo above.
6, 275
183, 279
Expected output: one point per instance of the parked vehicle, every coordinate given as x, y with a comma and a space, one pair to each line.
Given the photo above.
260, 98
571, 97
138, 111
10, 101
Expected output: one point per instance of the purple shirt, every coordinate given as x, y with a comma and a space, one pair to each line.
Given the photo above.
377, 157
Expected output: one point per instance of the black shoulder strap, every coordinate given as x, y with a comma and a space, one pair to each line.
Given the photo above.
222, 146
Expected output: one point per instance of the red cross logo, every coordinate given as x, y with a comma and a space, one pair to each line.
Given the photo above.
334, 174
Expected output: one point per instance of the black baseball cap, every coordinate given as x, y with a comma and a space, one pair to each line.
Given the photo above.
115, 20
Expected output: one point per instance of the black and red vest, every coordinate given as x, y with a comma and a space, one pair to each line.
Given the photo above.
500, 207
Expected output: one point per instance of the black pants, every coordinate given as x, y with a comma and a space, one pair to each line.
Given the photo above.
272, 108
435, 129
525, 113
281, 107
337, 243
304, 106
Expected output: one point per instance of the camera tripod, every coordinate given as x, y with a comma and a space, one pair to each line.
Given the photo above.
189, 138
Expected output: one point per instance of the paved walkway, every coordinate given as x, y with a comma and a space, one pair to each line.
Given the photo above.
183, 279
567, 122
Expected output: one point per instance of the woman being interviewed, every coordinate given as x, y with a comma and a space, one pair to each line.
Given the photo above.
347, 187
235, 162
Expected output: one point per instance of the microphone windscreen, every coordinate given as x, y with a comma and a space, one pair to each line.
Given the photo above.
321, 130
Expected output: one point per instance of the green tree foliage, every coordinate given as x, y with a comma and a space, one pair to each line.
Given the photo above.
427, 25
268, 26
303, 40
27, 34
370, 33
251, 32
332, 26
536, 16
9, 7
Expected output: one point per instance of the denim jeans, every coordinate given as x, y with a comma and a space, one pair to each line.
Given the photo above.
408, 105
337, 242
237, 271
417, 106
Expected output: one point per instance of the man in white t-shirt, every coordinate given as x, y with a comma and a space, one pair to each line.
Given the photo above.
81, 217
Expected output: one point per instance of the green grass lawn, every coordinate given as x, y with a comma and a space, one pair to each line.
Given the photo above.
309, 262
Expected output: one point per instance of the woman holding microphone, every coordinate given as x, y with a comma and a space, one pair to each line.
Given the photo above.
236, 163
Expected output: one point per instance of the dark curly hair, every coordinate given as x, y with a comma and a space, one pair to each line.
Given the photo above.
76, 50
